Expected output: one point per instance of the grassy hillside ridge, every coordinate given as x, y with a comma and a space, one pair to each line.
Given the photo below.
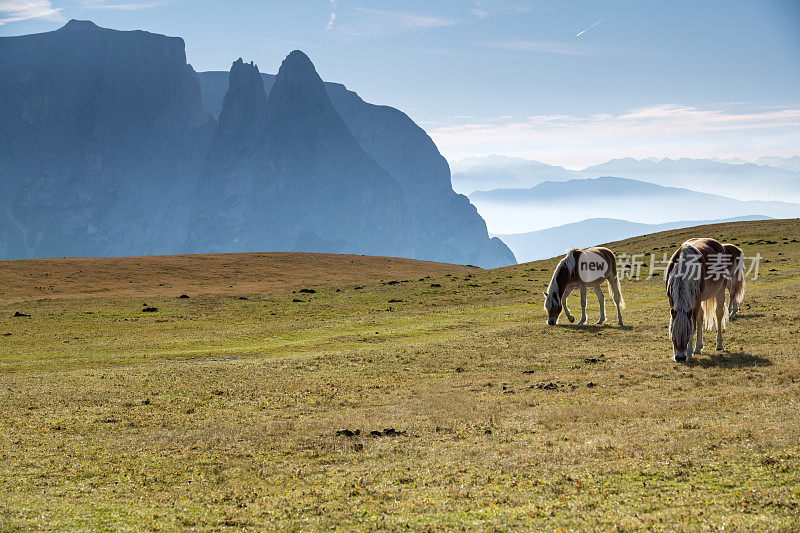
216, 412
208, 274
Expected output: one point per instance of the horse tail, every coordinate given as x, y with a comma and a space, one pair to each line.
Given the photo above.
737, 280
613, 281
710, 313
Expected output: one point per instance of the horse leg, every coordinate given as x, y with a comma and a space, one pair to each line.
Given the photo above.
617, 296
698, 326
720, 316
733, 307
601, 300
583, 306
564, 305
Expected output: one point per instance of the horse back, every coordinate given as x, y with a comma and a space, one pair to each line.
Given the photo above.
609, 258
734, 251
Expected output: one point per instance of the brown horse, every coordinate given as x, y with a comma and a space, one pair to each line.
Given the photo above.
697, 275
736, 283
581, 269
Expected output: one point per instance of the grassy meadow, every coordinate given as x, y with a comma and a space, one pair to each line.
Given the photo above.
318, 392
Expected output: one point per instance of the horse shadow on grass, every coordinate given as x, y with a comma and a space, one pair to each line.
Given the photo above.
729, 360
594, 328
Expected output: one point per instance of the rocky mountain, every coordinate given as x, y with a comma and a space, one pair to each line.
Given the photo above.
291, 175
102, 137
552, 242
446, 226
551, 204
108, 146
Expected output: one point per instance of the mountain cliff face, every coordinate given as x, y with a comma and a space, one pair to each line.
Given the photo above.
101, 136
292, 177
446, 227
106, 149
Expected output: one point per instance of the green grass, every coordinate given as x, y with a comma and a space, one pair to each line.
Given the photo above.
218, 413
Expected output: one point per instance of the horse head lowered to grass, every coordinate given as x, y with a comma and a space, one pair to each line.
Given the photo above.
697, 275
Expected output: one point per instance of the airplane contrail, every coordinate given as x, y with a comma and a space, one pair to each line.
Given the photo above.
603, 19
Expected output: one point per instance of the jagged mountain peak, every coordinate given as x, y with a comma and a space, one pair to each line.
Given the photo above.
245, 103
299, 105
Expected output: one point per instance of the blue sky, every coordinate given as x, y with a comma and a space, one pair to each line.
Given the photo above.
569, 82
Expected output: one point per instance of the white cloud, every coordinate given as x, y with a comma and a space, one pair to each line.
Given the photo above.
368, 22
332, 18
661, 131
132, 6
404, 20
17, 10
485, 8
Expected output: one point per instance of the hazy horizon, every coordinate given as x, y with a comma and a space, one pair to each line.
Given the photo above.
461, 164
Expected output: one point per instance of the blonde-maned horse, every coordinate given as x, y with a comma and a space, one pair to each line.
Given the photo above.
697, 275
581, 269
736, 284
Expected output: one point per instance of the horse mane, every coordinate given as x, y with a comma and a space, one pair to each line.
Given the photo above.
568, 263
683, 289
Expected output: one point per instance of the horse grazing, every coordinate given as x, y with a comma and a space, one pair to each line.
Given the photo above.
736, 283
697, 275
581, 269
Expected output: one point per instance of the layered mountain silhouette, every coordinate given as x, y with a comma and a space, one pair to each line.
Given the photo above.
551, 204
501, 172
743, 181
555, 241
109, 147
733, 178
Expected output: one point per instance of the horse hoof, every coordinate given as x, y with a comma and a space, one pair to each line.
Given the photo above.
581, 322
680, 359
719, 348
698, 351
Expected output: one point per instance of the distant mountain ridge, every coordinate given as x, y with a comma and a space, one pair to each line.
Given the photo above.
494, 172
554, 241
734, 178
107, 148
551, 204
744, 181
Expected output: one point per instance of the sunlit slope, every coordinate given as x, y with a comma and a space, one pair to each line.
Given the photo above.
216, 411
